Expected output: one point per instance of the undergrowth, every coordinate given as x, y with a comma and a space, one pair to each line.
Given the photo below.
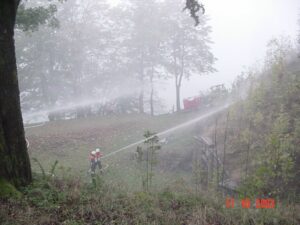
68, 200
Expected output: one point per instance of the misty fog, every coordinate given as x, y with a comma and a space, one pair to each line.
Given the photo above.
94, 56
150, 112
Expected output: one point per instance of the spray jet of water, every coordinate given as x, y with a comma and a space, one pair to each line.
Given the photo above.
27, 116
99, 97
170, 130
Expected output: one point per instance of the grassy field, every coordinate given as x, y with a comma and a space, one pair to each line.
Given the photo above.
116, 196
70, 142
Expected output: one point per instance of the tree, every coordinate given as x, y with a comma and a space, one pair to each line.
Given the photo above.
147, 158
224, 150
298, 36
39, 67
194, 6
187, 49
54, 72
143, 46
14, 159
216, 155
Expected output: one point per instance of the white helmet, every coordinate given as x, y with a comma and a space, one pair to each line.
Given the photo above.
93, 152
97, 149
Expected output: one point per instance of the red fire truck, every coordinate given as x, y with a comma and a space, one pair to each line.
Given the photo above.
191, 103
216, 95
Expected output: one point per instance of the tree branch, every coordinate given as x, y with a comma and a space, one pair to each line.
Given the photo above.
193, 6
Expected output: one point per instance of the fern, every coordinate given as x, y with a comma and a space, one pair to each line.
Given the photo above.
41, 167
53, 167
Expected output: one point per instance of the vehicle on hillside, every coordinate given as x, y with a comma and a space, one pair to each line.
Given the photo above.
216, 95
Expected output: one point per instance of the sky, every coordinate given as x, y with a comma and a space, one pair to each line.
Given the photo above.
241, 30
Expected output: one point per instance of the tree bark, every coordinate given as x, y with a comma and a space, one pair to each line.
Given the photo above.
141, 96
177, 98
248, 153
151, 102
248, 149
216, 153
14, 158
152, 92
224, 149
179, 77
178, 81
141, 102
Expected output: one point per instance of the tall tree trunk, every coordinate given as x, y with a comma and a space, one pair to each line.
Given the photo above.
216, 154
224, 149
152, 92
179, 78
248, 149
51, 96
248, 152
147, 175
14, 159
141, 96
178, 81
178, 98
141, 102
151, 102
44, 89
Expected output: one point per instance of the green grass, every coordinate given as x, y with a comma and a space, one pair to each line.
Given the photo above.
69, 200
70, 142
70, 197
8, 190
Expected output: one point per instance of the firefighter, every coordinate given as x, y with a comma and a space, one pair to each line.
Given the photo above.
98, 156
93, 162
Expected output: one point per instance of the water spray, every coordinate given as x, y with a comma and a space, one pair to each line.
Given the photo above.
170, 130
36, 125
79, 103
29, 127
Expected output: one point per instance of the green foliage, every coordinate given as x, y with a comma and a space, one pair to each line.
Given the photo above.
147, 158
29, 19
273, 108
147, 36
193, 6
200, 175
7, 190
40, 166
53, 167
45, 175
70, 201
